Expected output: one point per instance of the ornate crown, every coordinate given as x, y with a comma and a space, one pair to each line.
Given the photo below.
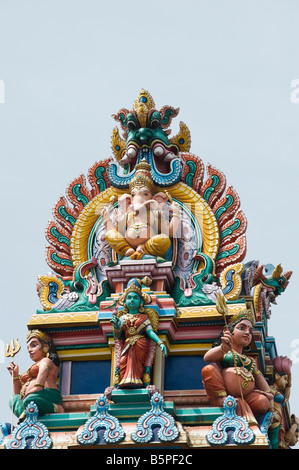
135, 285
39, 335
143, 104
244, 314
142, 177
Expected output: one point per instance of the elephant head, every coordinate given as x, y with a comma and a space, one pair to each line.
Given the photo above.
141, 199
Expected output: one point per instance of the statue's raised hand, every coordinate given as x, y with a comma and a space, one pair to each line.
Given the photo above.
115, 322
13, 369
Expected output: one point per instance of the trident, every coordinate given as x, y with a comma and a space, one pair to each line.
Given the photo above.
10, 351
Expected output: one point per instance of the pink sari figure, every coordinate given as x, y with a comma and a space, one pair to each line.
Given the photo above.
134, 329
231, 372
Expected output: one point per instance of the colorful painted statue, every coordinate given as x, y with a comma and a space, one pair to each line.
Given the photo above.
38, 383
82, 292
143, 224
269, 282
231, 372
146, 135
155, 201
281, 389
134, 329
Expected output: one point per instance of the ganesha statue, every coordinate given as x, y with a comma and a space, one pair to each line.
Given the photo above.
144, 221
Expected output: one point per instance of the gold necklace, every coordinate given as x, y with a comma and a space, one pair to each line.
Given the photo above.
243, 371
129, 321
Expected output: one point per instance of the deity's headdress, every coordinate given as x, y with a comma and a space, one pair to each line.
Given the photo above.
282, 365
244, 314
45, 338
40, 335
142, 177
135, 285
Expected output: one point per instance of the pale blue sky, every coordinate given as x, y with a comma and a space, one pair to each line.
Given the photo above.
67, 66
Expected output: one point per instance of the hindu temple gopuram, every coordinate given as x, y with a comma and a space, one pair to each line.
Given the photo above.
153, 327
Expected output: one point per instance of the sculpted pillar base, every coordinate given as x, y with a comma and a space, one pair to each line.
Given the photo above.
161, 274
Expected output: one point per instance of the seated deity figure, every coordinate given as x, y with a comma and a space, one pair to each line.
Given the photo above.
231, 372
143, 223
38, 383
134, 330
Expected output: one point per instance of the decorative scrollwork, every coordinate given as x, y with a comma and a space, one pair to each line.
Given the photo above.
113, 432
31, 433
230, 421
151, 420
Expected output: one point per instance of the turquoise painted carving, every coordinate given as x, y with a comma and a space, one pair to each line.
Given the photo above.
31, 433
269, 282
66, 215
100, 179
199, 287
266, 423
229, 421
83, 293
6, 430
148, 424
102, 420
146, 136
165, 180
61, 238
79, 195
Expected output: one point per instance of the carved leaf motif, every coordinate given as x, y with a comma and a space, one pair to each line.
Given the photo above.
214, 186
121, 117
226, 207
182, 139
58, 237
59, 262
97, 176
193, 171
78, 194
233, 253
233, 229
64, 215
167, 114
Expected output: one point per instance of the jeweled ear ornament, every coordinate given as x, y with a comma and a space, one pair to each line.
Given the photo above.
46, 352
